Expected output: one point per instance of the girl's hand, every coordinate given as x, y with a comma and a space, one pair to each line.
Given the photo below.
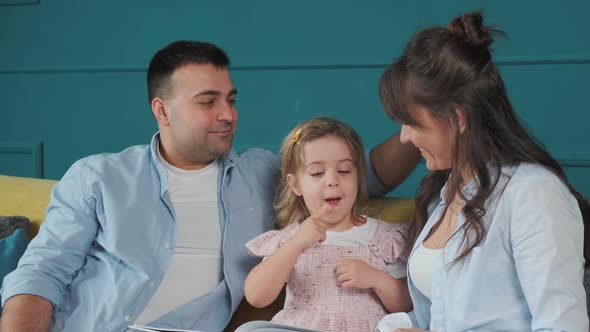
312, 230
354, 273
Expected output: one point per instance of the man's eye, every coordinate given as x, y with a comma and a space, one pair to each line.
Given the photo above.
207, 102
232, 101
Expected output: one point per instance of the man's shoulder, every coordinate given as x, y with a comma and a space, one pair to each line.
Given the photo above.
257, 158
258, 168
130, 157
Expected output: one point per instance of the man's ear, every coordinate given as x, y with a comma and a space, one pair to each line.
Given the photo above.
160, 112
292, 181
461, 118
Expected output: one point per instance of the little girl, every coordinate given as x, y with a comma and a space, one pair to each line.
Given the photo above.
339, 265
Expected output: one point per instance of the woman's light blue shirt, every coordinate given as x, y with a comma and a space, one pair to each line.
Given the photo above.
526, 275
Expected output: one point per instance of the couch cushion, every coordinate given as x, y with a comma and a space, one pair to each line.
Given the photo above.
12, 248
25, 197
391, 209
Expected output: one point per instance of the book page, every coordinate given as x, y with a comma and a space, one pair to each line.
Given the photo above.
158, 329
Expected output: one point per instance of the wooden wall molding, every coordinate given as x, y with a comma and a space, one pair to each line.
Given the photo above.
501, 61
35, 150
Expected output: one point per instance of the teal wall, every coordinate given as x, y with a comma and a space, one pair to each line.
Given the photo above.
72, 72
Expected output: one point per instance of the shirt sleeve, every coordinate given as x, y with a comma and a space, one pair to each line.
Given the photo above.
375, 186
547, 243
266, 167
59, 250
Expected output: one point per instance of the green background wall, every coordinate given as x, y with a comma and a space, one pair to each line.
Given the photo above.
72, 72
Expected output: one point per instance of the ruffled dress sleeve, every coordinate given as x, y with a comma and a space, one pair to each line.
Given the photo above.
390, 241
266, 243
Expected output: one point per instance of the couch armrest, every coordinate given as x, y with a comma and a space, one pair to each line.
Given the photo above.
27, 197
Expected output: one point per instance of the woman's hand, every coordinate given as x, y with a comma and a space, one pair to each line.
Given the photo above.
354, 273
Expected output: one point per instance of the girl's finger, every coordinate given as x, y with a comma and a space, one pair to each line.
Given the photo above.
344, 278
347, 284
324, 211
322, 237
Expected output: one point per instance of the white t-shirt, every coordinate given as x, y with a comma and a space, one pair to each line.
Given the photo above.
421, 268
196, 266
360, 236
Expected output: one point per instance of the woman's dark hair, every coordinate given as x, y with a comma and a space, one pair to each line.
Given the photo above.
443, 69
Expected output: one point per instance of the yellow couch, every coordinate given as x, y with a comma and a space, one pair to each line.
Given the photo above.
29, 197
25, 197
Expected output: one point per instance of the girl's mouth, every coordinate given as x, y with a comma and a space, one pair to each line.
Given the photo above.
334, 202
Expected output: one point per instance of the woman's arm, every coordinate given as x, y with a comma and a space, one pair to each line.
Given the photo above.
546, 234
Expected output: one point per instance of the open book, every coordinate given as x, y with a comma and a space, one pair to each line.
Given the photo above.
157, 329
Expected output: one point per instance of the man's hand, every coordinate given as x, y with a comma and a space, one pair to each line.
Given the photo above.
354, 273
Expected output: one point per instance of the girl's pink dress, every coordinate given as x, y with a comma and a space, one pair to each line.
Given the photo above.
314, 299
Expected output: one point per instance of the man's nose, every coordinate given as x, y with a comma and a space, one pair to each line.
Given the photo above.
227, 113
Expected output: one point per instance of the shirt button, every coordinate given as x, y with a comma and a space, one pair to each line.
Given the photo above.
167, 245
128, 319
151, 284
374, 249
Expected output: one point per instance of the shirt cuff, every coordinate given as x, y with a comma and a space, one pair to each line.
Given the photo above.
375, 187
22, 281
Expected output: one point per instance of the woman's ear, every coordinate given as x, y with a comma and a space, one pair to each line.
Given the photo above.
160, 112
461, 118
292, 181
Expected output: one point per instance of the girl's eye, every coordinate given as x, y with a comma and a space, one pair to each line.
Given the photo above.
343, 172
316, 174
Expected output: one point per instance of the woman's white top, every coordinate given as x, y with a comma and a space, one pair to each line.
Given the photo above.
421, 267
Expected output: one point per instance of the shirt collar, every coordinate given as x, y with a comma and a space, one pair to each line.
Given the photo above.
470, 189
227, 160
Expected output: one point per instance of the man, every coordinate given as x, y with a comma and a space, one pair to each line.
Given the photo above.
155, 234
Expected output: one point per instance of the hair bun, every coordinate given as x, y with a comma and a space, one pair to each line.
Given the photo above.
470, 28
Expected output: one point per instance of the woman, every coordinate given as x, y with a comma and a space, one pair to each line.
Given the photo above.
497, 240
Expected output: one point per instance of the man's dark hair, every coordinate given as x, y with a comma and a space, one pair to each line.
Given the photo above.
176, 55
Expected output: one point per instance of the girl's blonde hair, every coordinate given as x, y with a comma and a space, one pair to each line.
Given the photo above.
290, 207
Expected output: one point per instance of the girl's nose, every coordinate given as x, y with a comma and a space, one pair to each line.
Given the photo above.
332, 180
